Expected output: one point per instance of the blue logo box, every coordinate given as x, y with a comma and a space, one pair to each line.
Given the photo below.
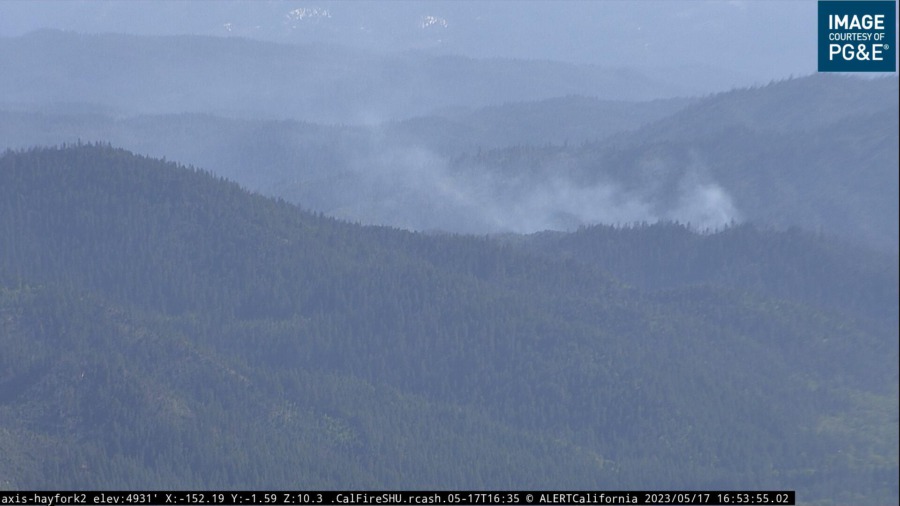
857, 36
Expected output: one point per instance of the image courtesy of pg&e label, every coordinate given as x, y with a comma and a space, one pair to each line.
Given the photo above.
857, 36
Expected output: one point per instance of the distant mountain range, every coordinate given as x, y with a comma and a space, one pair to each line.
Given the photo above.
126, 75
818, 152
668, 38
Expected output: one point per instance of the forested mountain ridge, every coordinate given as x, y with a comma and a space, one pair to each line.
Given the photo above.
818, 152
804, 103
556, 121
164, 328
790, 264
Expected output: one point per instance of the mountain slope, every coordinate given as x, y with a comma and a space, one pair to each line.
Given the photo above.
558, 120
790, 265
818, 152
805, 103
165, 328
376, 174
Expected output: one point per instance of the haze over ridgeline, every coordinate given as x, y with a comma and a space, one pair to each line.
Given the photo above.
674, 263
318, 83
476, 145
319, 105
703, 46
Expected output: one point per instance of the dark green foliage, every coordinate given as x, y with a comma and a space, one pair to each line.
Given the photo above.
790, 264
160, 327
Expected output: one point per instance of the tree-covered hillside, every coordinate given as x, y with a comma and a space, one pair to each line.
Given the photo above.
790, 264
818, 152
163, 328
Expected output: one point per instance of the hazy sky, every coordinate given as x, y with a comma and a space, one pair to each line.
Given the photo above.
760, 39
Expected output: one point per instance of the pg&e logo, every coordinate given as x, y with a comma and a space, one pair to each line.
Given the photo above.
857, 36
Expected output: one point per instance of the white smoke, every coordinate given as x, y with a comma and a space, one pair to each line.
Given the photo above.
414, 188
